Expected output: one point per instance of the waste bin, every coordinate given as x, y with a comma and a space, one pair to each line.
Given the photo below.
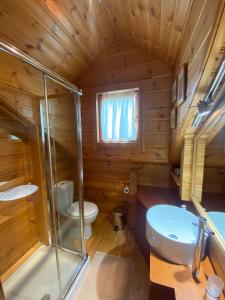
119, 217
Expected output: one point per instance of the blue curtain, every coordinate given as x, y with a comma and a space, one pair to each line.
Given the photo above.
118, 117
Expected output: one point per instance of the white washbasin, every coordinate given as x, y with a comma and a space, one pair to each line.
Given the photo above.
18, 192
171, 234
218, 219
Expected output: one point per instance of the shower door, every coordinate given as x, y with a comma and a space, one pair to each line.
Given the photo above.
61, 115
39, 261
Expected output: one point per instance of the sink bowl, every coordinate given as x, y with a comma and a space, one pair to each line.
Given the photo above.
171, 234
218, 219
18, 192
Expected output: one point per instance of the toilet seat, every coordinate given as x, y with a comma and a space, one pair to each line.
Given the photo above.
90, 209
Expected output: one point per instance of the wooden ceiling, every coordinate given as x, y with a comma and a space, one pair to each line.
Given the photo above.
67, 35
153, 25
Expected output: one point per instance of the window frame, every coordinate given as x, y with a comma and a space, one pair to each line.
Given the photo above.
98, 118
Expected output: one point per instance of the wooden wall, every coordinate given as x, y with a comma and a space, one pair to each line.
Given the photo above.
214, 172
14, 158
107, 166
23, 222
214, 179
186, 168
18, 230
196, 43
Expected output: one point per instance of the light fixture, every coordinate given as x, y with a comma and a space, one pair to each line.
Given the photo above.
203, 106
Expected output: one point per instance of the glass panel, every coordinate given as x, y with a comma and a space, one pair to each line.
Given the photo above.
28, 267
213, 192
65, 153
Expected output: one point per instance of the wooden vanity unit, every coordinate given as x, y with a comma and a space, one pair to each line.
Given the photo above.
168, 280
179, 277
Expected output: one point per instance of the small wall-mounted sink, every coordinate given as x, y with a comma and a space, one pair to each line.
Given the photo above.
218, 219
171, 234
18, 192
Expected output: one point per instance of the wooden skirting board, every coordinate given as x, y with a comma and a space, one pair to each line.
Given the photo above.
180, 278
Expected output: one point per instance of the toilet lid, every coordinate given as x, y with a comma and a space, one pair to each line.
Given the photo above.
90, 209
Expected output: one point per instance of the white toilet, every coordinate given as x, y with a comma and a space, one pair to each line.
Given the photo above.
65, 206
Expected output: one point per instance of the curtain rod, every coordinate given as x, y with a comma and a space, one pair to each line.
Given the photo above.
118, 91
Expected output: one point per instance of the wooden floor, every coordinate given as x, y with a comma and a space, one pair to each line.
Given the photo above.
120, 243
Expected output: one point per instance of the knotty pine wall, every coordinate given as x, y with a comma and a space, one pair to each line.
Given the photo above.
18, 223
107, 166
23, 222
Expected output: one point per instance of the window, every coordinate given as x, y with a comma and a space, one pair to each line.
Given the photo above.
117, 116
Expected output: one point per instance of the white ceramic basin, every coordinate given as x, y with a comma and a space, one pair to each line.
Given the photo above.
171, 234
18, 192
218, 219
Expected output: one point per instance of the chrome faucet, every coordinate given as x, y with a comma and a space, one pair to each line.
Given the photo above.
200, 242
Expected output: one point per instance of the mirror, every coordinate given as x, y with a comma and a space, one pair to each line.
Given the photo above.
213, 192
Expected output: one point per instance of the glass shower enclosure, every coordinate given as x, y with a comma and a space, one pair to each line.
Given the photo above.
51, 270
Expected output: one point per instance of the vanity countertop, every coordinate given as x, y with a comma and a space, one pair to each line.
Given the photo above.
4, 219
180, 278
149, 196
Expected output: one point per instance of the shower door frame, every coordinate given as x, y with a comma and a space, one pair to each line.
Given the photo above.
82, 253
51, 179
46, 72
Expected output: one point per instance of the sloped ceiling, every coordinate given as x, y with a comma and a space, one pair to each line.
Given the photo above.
67, 35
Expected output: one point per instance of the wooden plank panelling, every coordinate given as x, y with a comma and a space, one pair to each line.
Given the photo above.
68, 36
203, 51
214, 179
186, 168
22, 223
155, 26
199, 162
59, 33
107, 166
214, 171
18, 233
215, 155
14, 158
